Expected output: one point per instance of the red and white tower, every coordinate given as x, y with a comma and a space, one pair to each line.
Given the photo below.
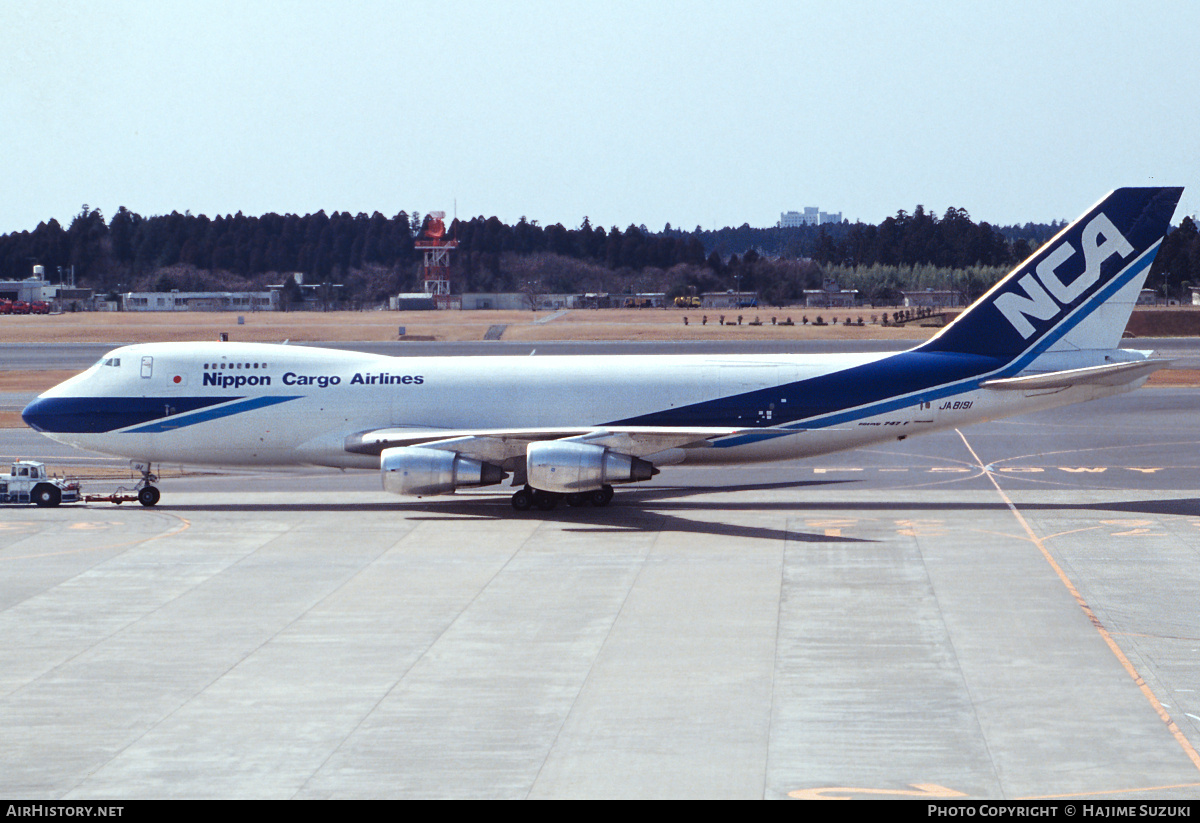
435, 271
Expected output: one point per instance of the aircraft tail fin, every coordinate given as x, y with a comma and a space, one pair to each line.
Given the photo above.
1074, 293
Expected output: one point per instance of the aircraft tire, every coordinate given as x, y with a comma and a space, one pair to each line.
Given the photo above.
522, 499
46, 495
148, 495
602, 496
546, 501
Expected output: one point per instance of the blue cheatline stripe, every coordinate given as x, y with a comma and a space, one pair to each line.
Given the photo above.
182, 420
106, 414
970, 383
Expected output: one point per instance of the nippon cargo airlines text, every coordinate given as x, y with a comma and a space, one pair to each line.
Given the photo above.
321, 381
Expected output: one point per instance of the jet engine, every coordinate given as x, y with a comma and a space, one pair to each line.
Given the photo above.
565, 466
419, 471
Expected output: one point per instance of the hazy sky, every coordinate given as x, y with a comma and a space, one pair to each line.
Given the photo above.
691, 113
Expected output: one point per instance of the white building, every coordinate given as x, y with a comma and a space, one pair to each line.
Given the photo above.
200, 301
934, 298
29, 289
811, 216
517, 301
729, 300
830, 298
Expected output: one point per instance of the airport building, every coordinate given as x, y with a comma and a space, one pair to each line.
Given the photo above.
1151, 297
830, 297
824, 299
28, 290
518, 301
200, 301
36, 287
934, 298
729, 300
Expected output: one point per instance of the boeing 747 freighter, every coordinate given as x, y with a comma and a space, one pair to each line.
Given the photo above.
570, 428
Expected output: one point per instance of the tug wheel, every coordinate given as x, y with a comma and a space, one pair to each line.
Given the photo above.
46, 495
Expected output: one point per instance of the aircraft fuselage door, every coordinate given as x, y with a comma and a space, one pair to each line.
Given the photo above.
147, 366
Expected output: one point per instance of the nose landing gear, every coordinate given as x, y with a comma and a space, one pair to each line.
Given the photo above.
147, 494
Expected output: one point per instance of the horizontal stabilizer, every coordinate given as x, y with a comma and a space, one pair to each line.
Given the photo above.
1115, 374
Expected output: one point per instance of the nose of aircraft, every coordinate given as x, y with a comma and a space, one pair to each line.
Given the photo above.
58, 414
40, 415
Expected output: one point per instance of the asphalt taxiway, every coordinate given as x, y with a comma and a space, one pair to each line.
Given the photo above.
1010, 611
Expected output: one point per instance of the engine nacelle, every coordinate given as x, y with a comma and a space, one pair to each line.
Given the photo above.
566, 466
420, 471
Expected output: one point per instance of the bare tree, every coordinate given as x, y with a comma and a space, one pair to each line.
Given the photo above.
531, 287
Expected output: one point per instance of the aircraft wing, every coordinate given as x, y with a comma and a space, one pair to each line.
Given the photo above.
495, 445
1115, 374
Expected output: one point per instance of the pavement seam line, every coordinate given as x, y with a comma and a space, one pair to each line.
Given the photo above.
126, 546
583, 684
333, 752
1040, 543
788, 531
140, 736
997, 772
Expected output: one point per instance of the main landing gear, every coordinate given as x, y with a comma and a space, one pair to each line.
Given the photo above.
528, 497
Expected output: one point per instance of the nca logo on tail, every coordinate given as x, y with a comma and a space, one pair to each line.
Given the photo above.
1046, 294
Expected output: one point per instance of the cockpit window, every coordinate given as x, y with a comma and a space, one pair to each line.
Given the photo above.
111, 361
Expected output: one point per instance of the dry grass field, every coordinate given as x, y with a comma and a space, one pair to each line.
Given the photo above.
576, 324
520, 326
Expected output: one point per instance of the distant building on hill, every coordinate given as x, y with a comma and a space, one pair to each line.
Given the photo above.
811, 216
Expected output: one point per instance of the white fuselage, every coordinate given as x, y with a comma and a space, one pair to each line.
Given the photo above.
240, 404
